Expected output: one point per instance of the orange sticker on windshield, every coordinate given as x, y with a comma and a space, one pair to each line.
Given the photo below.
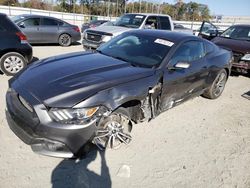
164, 42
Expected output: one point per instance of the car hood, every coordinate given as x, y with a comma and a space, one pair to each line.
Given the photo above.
241, 46
115, 30
63, 81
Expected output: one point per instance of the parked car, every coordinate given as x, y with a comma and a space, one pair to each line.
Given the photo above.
93, 38
15, 51
181, 28
108, 23
237, 39
45, 29
100, 95
92, 24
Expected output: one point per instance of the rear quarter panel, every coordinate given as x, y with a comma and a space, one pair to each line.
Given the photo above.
218, 60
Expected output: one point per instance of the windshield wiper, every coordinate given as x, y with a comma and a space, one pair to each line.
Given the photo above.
99, 51
126, 60
123, 25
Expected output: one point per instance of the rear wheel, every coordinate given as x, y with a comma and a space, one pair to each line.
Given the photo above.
216, 89
11, 63
114, 130
64, 39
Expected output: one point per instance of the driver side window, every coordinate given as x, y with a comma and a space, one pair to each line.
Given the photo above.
32, 22
151, 22
188, 52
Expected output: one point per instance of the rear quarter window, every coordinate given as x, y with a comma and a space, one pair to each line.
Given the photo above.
165, 23
49, 22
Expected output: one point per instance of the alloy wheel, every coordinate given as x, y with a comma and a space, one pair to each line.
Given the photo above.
114, 133
219, 84
65, 40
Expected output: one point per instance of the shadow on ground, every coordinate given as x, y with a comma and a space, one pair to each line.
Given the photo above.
75, 173
246, 95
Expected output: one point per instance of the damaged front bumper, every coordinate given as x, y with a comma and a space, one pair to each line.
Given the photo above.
43, 134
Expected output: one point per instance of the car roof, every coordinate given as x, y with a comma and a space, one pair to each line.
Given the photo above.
35, 16
241, 25
150, 14
2, 14
172, 36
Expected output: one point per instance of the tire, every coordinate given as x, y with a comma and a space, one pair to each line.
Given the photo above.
217, 87
12, 63
114, 130
65, 40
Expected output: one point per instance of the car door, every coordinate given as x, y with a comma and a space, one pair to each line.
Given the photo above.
185, 73
31, 27
208, 30
49, 30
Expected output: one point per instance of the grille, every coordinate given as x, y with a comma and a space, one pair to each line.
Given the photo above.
94, 37
237, 56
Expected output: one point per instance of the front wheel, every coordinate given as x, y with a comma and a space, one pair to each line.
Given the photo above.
64, 40
217, 87
11, 63
114, 130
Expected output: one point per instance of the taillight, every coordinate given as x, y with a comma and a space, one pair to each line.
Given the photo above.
76, 29
22, 37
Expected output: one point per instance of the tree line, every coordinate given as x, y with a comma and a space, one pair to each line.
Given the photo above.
191, 11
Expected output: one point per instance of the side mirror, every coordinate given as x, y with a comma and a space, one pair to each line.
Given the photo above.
21, 25
180, 65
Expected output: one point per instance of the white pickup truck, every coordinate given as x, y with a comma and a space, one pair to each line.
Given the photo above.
93, 38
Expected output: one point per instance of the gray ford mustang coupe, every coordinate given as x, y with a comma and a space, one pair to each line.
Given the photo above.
59, 104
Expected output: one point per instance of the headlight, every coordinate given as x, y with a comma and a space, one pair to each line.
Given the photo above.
76, 116
246, 57
106, 38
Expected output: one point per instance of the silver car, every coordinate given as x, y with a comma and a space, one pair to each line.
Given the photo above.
44, 29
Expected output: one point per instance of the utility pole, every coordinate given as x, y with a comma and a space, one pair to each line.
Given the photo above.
158, 11
117, 13
133, 6
140, 6
125, 3
108, 7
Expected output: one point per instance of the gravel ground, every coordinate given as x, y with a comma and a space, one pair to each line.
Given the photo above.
201, 143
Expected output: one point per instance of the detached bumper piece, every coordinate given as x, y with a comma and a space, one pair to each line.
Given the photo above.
52, 148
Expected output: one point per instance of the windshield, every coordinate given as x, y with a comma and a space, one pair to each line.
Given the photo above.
16, 19
130, 20
137, 49
237, 32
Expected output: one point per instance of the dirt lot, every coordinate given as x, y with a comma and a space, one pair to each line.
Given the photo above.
202, 143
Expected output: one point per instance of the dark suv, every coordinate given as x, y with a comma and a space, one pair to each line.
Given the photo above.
15, 51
